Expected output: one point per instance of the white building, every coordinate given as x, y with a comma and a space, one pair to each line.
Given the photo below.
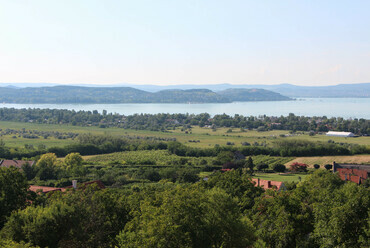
340, 134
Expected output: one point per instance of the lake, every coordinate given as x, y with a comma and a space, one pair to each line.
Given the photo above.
330, 107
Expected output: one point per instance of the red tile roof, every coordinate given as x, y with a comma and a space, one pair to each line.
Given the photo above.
265, 184
15, 163
354, 175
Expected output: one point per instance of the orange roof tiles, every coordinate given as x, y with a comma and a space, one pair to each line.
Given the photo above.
354, 175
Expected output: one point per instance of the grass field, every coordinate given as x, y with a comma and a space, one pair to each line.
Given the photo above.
205, 136
356, 159
151, 158
281, 177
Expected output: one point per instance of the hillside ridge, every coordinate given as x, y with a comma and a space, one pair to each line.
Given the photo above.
80, 94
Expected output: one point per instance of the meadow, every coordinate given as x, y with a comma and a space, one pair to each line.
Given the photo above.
201, 137
282, 177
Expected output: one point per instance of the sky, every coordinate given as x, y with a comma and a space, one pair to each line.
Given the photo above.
305, 42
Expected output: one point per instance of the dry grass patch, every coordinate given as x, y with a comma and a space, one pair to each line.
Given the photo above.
356, 159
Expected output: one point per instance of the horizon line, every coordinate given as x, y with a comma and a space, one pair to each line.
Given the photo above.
168, 85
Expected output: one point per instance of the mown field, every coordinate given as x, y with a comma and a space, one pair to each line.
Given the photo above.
356, 159
195, 137
282, 177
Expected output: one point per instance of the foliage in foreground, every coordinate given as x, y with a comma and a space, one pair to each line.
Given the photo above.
187, 217
228, 210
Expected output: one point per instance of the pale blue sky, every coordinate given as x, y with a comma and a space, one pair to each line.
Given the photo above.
313, 42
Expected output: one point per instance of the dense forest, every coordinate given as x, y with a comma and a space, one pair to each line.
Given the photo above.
227, 210
75, 94
157, 122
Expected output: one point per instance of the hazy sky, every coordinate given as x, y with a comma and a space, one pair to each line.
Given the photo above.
313, 42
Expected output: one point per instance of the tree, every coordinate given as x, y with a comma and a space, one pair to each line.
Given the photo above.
13, 244
328, 166
298, 167
47, 166
73, 160
262, 166
83, 218
28, 171
188, 176
279, 168
13, 191
237, 184
225, 157
33, 224
250, 165
230, 165
316, 166
73, 163
47, 160
364, 239
345, 212
281, 220
187, 217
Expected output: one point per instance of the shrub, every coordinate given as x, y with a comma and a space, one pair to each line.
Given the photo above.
262, 166
328, 166
279, 168
298, 167
230, 165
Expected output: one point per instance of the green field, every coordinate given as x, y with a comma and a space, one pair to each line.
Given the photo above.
205, 136
282, 177
148, 158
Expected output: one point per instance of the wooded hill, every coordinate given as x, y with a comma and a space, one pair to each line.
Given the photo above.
76, 94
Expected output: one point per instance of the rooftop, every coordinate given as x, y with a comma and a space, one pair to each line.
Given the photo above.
266, 184
15, 163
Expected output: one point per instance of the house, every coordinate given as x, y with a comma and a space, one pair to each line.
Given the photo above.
340, 134
15, 163
266, 184
352, 172
44, 189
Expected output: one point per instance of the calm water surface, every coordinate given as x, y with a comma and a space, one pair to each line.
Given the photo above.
331, 107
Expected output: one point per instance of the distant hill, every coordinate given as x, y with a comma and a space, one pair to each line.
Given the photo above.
78, 94
361, 90
243, 95
341, 90
290, 90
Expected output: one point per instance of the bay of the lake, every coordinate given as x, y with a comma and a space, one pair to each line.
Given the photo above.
330, 107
